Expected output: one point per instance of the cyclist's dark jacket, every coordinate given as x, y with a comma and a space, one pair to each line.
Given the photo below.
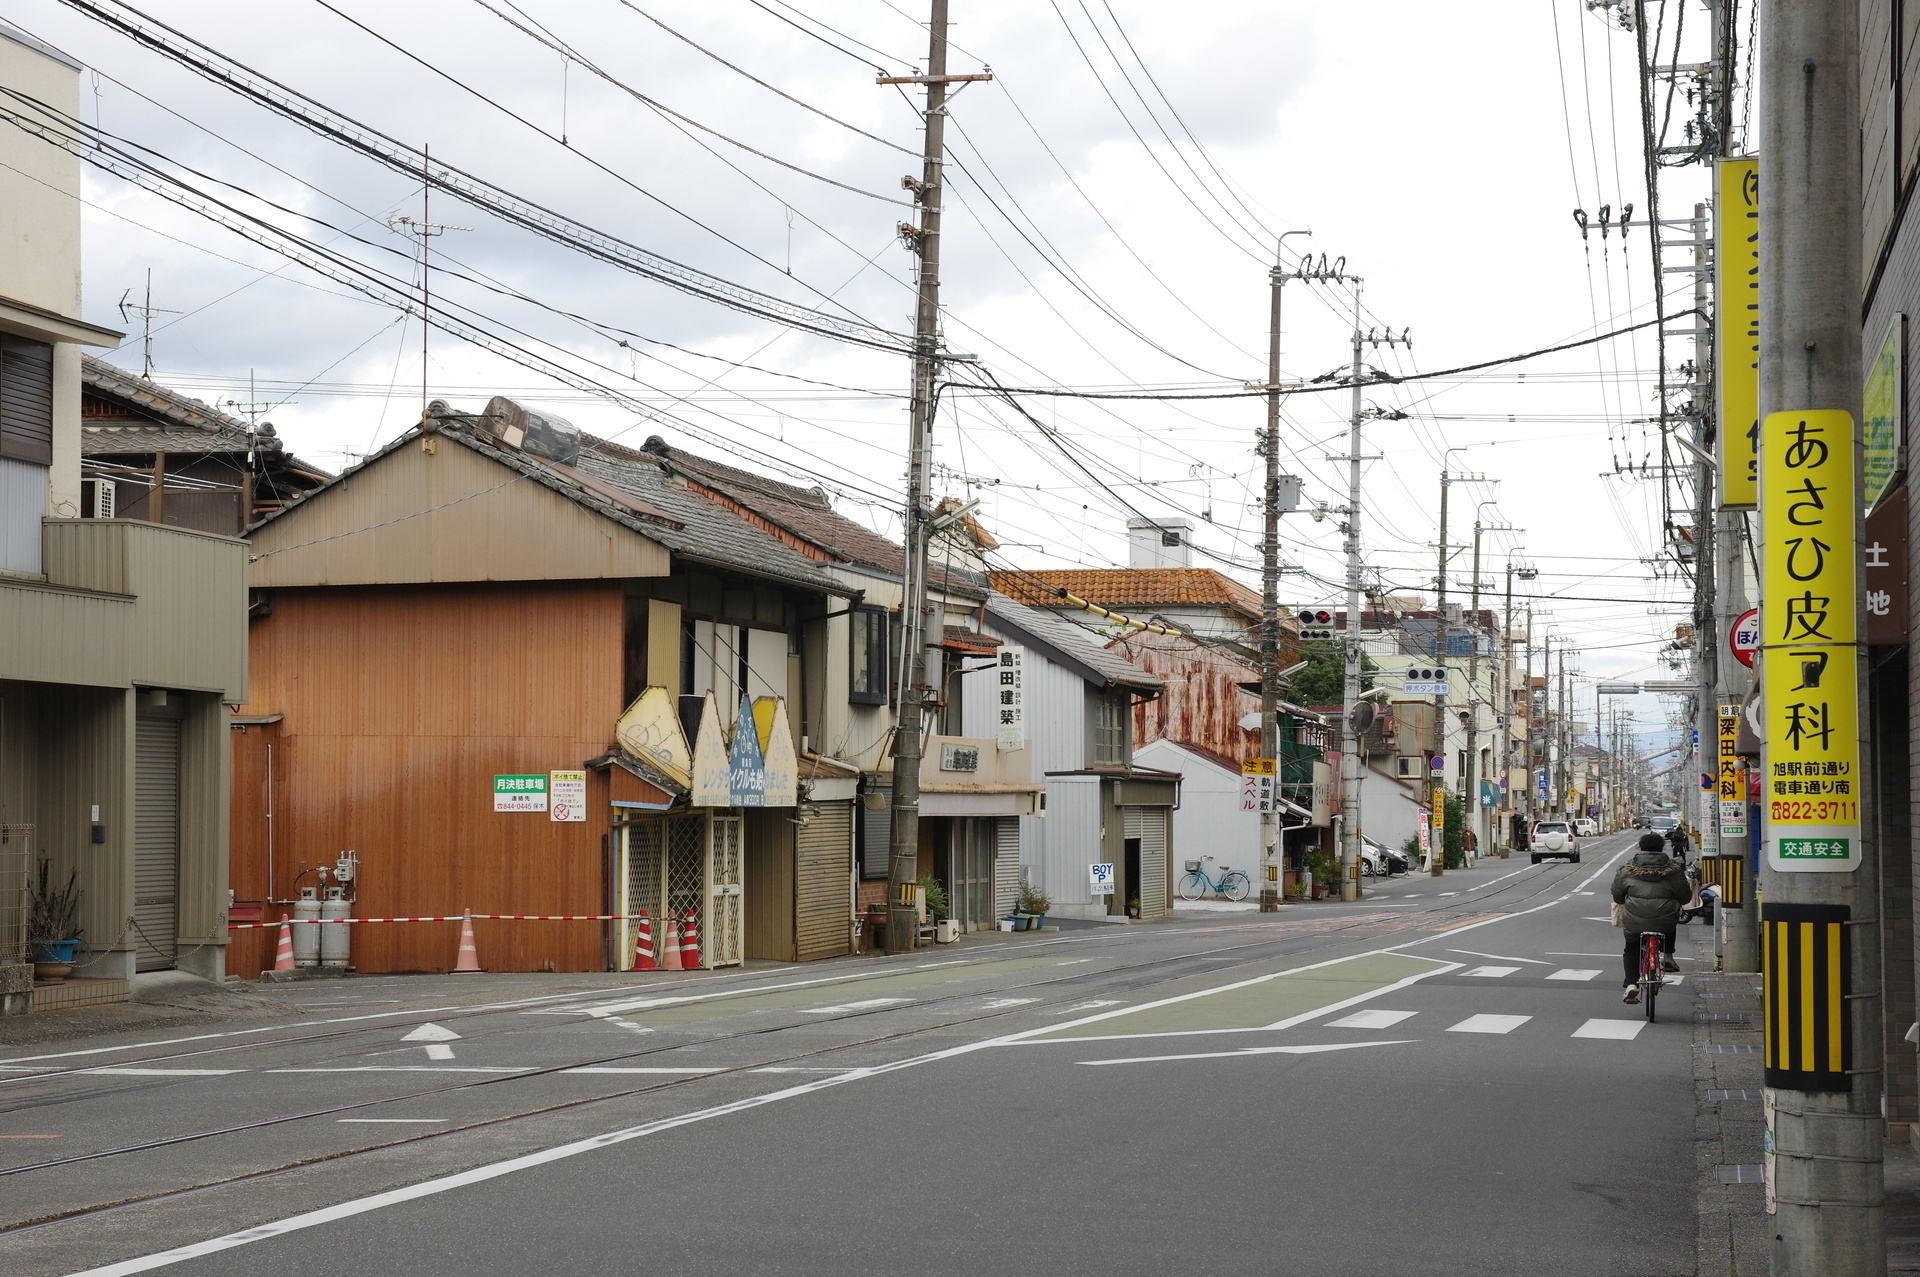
1651, 888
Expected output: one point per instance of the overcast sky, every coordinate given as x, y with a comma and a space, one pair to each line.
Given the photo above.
1113, 200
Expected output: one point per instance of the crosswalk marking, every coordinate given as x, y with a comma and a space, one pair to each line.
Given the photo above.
1490, 1024
1490, 971
1620, 1030
1573, 973
1374, 1019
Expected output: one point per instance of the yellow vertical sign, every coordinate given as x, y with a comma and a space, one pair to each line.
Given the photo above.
1808, 605
1736, 324
1732, 783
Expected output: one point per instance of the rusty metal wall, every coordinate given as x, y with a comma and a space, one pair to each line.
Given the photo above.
400, 705
1203, 703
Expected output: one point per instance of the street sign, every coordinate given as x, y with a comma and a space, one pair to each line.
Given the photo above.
1744, 637
1427, 681
1736, 343
1257, 777
1812, 760
567, 796
520, 792
1732, 789
1010, 697
1439, 764
1100, 880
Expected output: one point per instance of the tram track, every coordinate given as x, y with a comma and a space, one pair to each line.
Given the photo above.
1160, 972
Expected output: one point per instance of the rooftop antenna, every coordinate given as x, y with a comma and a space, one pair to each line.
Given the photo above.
146, 310
423, 231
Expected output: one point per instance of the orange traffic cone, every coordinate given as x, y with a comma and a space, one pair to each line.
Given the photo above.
643, 944
283, 957
670, 955
690, 943
469, 959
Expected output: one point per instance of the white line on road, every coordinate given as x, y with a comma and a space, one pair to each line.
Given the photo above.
164, 1072
1371, 1019
1491, 973
1554, 953
1503, 957
1572, 973
1243, 1052
1619, 1030
598, 1069
389, 1121
1489, 1024
398, 1068
996, 1003
867, 1005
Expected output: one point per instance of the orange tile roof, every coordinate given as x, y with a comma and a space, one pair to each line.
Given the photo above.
1132, 587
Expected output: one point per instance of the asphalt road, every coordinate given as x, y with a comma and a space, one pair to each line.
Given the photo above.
1441, 1079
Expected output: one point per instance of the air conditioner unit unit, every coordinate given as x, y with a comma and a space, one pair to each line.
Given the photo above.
96, 498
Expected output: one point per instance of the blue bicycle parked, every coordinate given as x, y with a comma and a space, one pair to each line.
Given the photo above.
1233, 885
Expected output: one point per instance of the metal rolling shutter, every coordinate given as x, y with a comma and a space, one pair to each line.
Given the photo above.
876, 837
1006, 867
825, 850
156, 842
1149, 825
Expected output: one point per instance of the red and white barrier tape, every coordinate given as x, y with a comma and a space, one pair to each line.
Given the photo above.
453, 917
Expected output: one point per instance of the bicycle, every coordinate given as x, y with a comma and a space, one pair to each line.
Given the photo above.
1651, 978
1233, 884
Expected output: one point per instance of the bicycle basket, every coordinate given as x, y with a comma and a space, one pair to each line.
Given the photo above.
1193, 866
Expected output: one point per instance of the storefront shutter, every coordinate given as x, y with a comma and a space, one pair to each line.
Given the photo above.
822, 904
156, 842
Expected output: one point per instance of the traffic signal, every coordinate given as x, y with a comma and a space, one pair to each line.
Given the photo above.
1315, 624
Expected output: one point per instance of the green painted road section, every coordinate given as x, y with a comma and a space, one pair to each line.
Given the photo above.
1259, 1003
853, 991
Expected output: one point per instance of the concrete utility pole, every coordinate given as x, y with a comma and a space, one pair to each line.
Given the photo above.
1350, 695
1436, 775
1828, 1144
924, 239
1469, 781
1270, 583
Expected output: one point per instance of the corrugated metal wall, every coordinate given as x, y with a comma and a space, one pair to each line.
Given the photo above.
23, 503
156, 842
821, 907
1006, 866
1149, 825
1071, 839
400, 706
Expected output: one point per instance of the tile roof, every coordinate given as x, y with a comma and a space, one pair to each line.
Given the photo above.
163, 420
1072, 641
805, 513
1133, 587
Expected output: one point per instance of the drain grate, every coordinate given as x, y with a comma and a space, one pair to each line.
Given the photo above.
1724, 1017
1727, 1048
1745, 1093
1745, 1173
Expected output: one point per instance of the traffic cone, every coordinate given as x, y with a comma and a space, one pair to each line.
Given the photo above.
670, 956
469, 959
283, 957
690, 943
643, 944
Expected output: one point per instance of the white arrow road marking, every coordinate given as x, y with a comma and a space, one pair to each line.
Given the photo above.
1572, 973
1314, 1049
1503, 957
1491, 972
996, 1003
1371, 1019
1094, 1005
1489, 1024
431, 1033
438, 1051
1620, 1030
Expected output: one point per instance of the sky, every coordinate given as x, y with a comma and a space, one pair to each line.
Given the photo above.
1113, 200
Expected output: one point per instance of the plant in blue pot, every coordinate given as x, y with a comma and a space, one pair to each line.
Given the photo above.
53, 925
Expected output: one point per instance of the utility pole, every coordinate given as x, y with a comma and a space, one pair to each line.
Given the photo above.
1826, 1128
909, 724
1270, 582
1437, 773
1469, 781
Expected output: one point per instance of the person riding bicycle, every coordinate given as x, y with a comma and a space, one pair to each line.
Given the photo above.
1650, 889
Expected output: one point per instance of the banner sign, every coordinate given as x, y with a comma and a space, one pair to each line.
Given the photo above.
1880, 417
1736, 322
1808, 636
1257, 788
1732, 786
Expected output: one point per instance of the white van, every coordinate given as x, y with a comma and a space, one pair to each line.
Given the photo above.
1586, 827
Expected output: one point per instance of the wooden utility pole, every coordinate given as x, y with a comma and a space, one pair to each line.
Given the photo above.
911, 685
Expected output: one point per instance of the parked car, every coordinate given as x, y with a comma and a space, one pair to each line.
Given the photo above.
1555, 839
1586, 827
1379, 860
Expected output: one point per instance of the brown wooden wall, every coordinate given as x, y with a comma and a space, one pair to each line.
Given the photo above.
399, 706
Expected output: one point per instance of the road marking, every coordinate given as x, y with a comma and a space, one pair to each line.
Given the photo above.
1445, 894
30, 1137
1584, 893
868, 1005
166, 1072
431, 1033
392, 1068
1094, 1005
1371, 1019
1620, 1030
997, 1003
1599, 920
1490, 972
438, 1051
1314, 1049
1573, 973
1489, 1024
388, 1121
800, 1070
642, 1070
1503, 957
1554, 953
649, 1004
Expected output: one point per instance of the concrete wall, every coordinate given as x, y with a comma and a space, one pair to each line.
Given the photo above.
40, 216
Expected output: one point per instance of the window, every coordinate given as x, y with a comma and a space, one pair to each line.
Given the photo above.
1410, 766
26, 400
867, 652
1110, 731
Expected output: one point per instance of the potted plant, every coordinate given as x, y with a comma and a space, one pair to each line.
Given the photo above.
53, 925
1325, 870
1034, 905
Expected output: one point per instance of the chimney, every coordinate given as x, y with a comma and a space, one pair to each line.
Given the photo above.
1159, 543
